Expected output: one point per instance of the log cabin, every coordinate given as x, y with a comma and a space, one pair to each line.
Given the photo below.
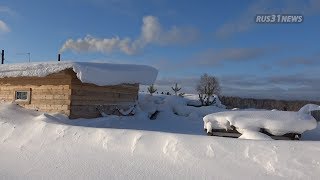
76, 89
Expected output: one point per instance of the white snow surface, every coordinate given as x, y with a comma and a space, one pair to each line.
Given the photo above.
275, 122
254, 135
101, 74
37, 145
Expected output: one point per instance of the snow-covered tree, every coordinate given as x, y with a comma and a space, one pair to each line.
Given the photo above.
152, 89
206, 88
176, 89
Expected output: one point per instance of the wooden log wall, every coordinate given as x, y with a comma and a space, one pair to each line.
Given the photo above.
85, 98
64, 93
49, 94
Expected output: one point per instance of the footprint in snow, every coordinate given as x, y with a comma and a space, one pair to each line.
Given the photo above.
210, 151
265, 157
135, 142
170, 149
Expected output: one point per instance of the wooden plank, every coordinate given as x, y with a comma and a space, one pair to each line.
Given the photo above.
53, 107
103, 89
55, 92
62, 97
84, 108
225, 134
117, 89
66, 112
35, 87
36, 82
235, 134
103, 102
102, 98
103, 94
21, 79
51, 102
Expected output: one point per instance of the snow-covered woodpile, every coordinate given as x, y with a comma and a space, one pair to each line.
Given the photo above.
251, 123
78, 90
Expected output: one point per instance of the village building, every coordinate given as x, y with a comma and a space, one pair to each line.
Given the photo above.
76, 89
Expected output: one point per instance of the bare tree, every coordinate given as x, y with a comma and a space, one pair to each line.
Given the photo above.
206, 88
176, 89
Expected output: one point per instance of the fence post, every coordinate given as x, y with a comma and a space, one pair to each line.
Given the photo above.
2, 56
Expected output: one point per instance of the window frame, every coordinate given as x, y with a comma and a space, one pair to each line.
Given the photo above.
22, 101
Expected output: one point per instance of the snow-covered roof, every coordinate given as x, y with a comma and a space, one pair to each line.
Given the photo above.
101, 74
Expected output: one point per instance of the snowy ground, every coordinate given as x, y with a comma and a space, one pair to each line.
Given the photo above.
34, 145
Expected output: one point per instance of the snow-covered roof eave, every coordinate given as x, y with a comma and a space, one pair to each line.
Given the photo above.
101, 74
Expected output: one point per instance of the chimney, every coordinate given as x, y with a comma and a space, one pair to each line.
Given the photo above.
2, 56
58, 57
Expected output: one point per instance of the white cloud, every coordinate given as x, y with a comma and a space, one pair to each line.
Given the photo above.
7, 10
4, 27
152, 32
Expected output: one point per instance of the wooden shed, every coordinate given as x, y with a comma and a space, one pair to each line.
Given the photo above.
74, 89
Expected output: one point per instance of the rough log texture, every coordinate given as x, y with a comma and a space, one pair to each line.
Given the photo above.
85, 98
49, 94
64, 93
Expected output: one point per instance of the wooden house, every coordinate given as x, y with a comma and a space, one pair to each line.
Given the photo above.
78, 90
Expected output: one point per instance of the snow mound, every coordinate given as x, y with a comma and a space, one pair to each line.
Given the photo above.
101, 74
174, 105
275, 122
35, 145
254, 135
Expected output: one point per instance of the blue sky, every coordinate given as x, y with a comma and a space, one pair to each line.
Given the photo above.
183, 39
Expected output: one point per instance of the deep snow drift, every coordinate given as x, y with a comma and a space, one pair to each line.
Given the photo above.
101, 74
35, 145
275, 122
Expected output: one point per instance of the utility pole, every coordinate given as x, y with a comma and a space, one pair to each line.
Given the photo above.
29, 56
2, 56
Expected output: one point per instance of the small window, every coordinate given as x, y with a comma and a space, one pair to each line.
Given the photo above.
22, 96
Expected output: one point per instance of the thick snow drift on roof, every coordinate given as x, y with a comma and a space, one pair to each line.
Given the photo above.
101, 74
275, 122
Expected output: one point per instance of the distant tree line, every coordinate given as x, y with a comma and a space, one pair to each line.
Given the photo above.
207, 87
269, 104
